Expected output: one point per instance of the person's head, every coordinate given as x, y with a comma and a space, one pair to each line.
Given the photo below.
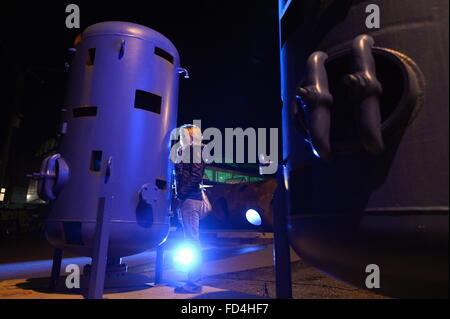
190, 135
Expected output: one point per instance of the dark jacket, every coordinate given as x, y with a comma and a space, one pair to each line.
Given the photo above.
188, 176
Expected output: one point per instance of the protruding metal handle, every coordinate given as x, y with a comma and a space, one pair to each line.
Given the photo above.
108, 171
52, 178
183, 71
316, 95
122, 49
366, 90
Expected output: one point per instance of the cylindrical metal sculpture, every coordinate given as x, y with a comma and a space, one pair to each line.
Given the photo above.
365, 139
121, 107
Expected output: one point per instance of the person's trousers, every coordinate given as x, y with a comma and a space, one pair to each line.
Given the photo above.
190, 217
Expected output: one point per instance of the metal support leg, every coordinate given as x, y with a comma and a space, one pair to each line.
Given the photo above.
100, 250
159, 264
282, 257
56, 268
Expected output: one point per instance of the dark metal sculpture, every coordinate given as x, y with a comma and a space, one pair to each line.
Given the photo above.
366, 91
318, 99
382, 197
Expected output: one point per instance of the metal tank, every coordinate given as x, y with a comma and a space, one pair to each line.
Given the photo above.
365, 141
120, 108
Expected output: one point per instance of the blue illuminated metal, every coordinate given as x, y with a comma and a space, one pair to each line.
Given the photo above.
123, 93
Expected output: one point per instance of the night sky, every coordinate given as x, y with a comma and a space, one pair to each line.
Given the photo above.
229, 47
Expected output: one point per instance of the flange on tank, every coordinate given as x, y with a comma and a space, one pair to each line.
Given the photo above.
121, 107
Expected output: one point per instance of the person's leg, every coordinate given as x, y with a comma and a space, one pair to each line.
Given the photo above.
190, 211
194, 273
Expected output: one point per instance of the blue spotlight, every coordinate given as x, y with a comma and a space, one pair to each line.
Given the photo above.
253, 217
186, 256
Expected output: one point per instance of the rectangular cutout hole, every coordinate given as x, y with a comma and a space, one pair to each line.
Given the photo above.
85, 111
91, 57
164, 54
96, 161
161, 184
147, 101
72, 233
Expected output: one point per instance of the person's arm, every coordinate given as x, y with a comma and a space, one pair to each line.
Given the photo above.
191, 177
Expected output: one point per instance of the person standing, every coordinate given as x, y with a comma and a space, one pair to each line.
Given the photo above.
189, 170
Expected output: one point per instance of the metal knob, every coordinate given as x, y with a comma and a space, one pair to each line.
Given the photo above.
316, 95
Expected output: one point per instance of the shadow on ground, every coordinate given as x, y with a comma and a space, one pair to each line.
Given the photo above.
126, 283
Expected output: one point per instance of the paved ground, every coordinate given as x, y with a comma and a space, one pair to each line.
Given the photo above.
308, 283
255, 283
235, 269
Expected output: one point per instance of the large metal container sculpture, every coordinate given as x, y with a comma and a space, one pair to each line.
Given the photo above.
365, 139
121, 107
